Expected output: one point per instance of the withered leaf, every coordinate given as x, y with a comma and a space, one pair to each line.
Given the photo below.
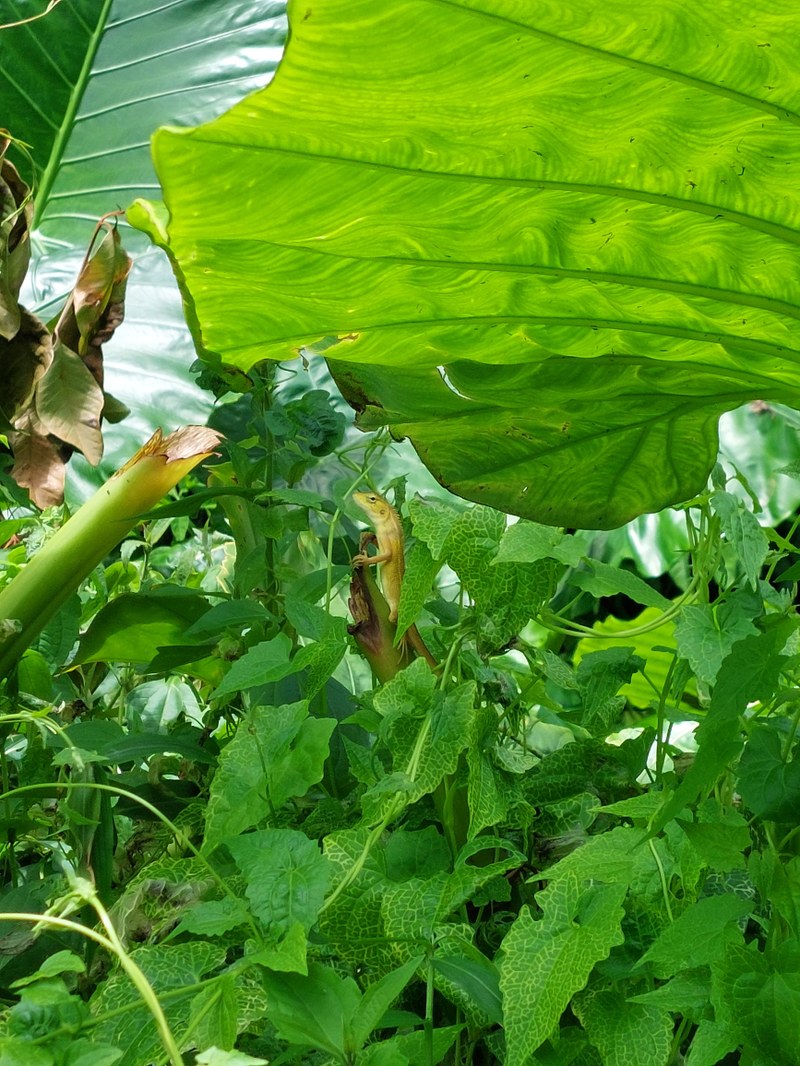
24, 358
69, 403
16, 211
38, 462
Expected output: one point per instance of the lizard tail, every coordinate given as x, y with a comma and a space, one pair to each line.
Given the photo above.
411, 638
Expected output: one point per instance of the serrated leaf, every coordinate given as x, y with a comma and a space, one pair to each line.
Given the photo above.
559, 671
562, 773
416, 854
528, 542
385, 1053
706, 633
265, 662
488, 801
506, 595
605, 580
760, 1000
216, 1009
353, 922
750, 673
742, 530
286, 876
599, 677
321, 657
688, 993
488, 795
407, 1049
425, 742
639, 808
699, 935
289, 956
719, 836
651, 645
711, 1043
546, 961
615, 857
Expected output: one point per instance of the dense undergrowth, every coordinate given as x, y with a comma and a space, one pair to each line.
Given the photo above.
576, 842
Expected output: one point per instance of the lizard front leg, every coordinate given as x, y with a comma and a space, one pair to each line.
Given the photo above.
362, 559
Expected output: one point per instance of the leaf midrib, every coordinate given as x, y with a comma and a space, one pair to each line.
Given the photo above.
69, 117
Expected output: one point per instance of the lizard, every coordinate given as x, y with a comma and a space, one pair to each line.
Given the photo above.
390, 557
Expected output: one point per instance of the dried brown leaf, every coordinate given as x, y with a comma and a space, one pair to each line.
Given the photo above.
69, 403
23, 360
38, 462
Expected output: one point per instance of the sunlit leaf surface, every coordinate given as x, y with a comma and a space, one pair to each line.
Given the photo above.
553, 244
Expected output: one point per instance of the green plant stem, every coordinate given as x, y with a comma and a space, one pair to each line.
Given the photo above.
791, 735
429, 1009
677, 1040
218, 881
143, 986
47, 581
113, 944
265, 395
165, 996
396, 805
662, 877
195, 1020
574, 629
661, 718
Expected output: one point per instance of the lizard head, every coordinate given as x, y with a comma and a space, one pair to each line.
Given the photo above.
373, 505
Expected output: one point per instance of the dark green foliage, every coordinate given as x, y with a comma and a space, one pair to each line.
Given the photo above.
542, 853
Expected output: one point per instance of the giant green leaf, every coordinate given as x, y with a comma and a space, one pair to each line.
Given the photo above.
549, 244
85, 87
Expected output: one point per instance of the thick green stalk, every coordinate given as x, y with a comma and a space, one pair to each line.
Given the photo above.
29, 601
